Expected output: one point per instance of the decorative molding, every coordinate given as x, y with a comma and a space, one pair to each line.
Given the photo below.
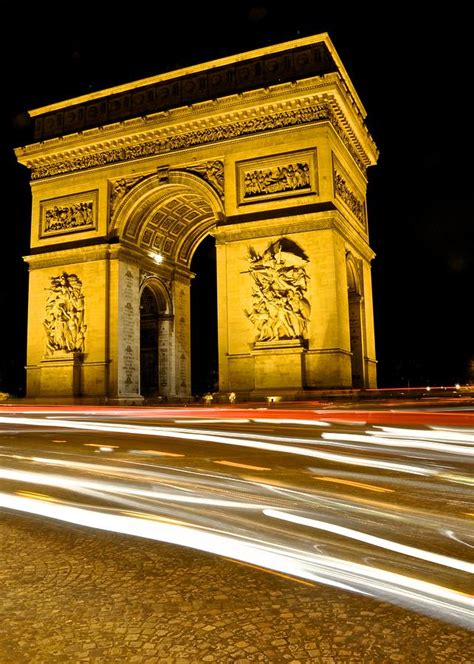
346, 191
68, 214
119, 188
277, 176
64, 320
186, 136
280, 310
187, 87
212, 172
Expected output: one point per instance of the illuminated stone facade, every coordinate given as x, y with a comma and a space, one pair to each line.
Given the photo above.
268, 152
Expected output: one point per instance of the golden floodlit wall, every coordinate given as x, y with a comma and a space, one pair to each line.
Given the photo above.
126, 185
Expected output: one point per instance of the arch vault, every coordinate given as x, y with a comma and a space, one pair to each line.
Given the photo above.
268, 152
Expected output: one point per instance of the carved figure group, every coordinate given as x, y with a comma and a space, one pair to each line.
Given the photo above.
65, 217
280, 309
64, 321
274, 180
350, 199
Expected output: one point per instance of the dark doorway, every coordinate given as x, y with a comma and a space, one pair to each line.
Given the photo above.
356, 340
148, 343
204, 366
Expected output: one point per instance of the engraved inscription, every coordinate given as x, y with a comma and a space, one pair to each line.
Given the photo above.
129, 364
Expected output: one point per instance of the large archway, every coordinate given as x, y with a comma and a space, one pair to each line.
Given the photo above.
204, 357
162, 223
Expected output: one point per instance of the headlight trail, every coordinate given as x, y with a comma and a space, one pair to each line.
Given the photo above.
190, 434
384, 511
375, 541
346, 575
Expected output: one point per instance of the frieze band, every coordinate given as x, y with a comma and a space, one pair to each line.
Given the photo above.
344, 189
291, 118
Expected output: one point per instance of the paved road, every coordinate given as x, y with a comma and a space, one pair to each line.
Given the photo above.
76, 595
72, 594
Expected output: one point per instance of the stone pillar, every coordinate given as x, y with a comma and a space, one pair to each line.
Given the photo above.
368, 325
182, 354
128, 360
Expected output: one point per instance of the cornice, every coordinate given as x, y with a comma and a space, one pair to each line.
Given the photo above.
248, 230
291, 225
202, 124
192, 112
68, 256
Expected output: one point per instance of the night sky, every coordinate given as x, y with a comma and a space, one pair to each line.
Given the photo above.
413, 76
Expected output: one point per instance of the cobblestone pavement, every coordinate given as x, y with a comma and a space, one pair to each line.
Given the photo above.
69, 594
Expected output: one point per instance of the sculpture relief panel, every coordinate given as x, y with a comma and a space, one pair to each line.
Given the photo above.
280, 308
212, 172
345, 190
69, 214
279, 176
64, 320
119, 189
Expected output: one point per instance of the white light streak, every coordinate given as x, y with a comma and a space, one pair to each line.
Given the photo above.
190, 434
372, 439
375, 541
407, 591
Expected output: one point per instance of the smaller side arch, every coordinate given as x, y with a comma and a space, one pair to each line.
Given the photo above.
160, 291
157, 339
353, 276
356, 321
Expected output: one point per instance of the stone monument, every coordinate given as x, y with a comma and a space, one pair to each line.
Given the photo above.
268, 152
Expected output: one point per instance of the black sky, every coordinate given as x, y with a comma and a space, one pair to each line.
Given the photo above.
413, 75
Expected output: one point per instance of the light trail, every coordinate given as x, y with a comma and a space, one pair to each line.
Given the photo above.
406, 591
190, 434
259, 503
375, 541
357, 485
394, 441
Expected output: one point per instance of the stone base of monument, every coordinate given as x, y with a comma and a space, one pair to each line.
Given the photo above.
280, 369
133, 400
60, 374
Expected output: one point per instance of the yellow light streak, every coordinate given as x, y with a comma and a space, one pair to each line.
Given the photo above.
359, 485
241, 465
156, 453
36, 496
155, 517
270, 571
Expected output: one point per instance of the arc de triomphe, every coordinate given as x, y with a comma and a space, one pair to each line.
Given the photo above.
267, 151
